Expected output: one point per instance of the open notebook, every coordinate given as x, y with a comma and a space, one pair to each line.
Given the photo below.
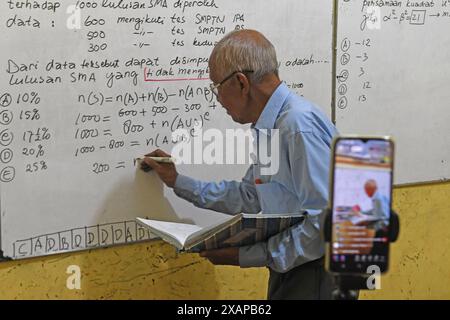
238, 230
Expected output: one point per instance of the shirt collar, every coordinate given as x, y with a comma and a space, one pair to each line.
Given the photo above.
270, 112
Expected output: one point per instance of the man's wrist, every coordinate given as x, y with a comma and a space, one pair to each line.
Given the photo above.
173, 181
256, 255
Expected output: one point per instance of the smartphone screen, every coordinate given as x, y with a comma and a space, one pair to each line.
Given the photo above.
361, 204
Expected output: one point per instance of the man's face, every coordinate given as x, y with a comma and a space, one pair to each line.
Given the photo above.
230, 96
370, 189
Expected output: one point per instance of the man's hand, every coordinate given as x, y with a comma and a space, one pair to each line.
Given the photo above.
225, 256
166, 171
356, 208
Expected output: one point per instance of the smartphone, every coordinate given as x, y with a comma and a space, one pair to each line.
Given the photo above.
360, 203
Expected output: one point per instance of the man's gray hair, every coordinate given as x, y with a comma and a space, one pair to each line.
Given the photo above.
240, 51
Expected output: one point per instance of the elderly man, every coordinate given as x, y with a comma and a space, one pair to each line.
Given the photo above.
244, 71
380, 207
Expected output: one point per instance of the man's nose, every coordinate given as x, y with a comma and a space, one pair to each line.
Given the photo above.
220, 102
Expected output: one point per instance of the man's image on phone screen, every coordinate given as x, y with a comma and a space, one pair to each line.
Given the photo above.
362, 186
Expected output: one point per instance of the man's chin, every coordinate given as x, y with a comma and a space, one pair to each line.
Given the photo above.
235, 119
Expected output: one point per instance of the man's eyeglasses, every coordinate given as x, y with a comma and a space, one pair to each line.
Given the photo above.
215, 86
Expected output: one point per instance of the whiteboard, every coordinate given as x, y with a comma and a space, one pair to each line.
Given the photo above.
393, 67
83, 95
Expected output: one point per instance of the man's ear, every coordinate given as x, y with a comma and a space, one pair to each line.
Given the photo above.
244, 83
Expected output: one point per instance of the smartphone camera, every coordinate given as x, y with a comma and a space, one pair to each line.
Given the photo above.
361, 196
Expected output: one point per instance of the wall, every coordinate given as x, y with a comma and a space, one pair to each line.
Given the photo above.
419, 268
420, 259
140, 271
